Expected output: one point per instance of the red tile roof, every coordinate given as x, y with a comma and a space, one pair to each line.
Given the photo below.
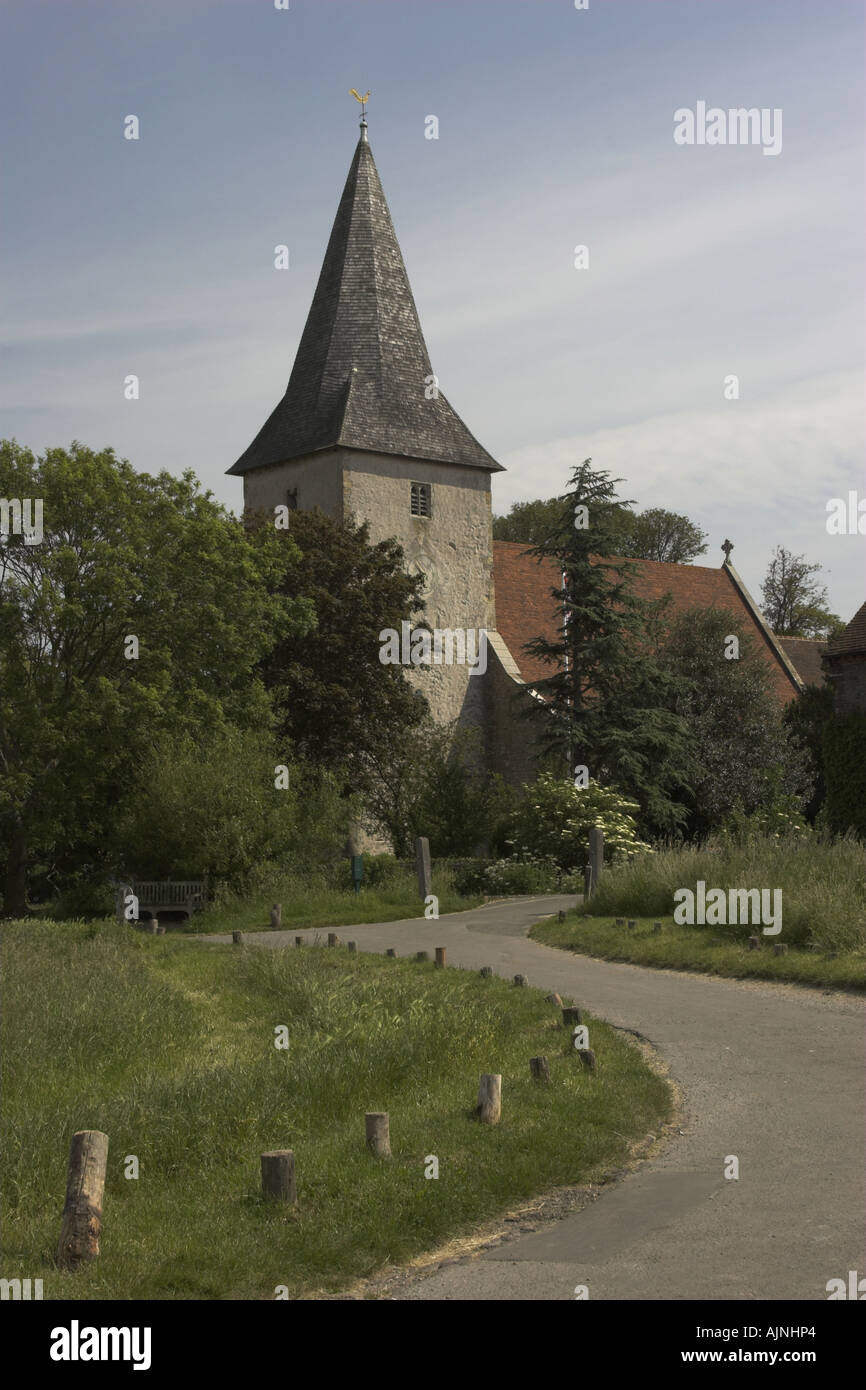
853, 639
525, 608
805, 655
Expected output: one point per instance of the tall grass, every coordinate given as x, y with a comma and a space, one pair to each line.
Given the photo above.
167, 1044
823, 884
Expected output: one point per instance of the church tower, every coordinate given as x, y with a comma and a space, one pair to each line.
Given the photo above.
363, 432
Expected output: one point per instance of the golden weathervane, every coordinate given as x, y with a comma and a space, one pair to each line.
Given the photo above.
361, 99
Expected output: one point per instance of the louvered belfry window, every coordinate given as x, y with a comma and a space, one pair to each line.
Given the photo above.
420, 503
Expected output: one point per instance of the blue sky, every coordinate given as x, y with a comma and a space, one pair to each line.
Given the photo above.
155, 256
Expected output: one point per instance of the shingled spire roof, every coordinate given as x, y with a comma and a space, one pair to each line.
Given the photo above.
359, 376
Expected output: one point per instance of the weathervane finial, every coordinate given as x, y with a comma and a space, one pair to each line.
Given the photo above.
363, 101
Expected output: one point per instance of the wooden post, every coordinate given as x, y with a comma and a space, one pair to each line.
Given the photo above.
587, 883
540, 1068
486, 971
632, 924
596, 855
440, 956
754, 943
332, 938
553, 999
154, 926
422, 955
160, 931
521, 981
587, 1057
82, 1212
570, 1016
276, 916
620, 921
237, 938
391, 952
657, 927
422, 865
378, 1130
299, 941
780, 948
278, 1175
489, 1106
351, 946
560, 916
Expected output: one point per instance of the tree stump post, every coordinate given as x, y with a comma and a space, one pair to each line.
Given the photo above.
632, 924
587, 1057
553, 999
81, 1226
391, 952
440, 956
780, 948
154, 926
596, 855
490, 1099
422, 866
422, 955
299, 941
754, 943
486, 971
276, 917
278, 1175
521, 981
351, 946
570, 1016
332, 938
657, 927
540, 1068
587, 883
378, 1130
237, 938
620, 921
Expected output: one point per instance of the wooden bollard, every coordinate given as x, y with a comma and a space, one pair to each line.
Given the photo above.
391, 952
237, 938
82, 1212
422, 955
486, 971
657, 927
553, 999
276, 917
299, 941
540, 1068
780, 948
333, 939
440, 955
489, 1106
377, 1126
521, 981
160, 931
560, 916
278, 1175
620, 921
754, 943
570, 1016
587, 1057
631, 924
351, 946
154, 926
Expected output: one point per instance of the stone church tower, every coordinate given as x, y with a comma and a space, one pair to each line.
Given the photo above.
364, 432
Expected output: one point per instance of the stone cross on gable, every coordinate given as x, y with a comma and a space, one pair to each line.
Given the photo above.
727, 547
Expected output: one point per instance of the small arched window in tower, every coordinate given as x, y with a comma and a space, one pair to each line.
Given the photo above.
292, 499
420, 499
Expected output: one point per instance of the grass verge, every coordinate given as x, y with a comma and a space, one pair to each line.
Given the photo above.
167, 1044
708, 949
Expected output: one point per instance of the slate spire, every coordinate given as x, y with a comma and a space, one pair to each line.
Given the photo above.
362, 366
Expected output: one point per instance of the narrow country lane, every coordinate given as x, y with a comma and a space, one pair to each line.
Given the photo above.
773, 1074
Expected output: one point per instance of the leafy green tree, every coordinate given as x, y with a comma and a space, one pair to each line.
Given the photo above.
212, 807
742, 756
336, 703
655, 534
805, 718
435, 784
143, 608
609, 703
795, 602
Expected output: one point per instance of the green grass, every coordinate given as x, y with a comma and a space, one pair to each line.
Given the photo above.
823, 885
690, 948
167, 1044
314, 903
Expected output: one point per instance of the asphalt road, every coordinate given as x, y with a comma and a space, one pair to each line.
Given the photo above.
772, 1074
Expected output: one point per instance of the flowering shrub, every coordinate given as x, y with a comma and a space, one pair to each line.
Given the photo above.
553, 824
781, 818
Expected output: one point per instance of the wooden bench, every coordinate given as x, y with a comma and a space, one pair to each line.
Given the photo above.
170, 895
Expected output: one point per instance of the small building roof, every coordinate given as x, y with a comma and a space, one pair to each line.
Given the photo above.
852, 639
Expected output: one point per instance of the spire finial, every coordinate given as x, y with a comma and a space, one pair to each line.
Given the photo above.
727, 547
363, 101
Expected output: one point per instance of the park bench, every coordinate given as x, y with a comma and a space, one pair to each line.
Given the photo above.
167, 895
